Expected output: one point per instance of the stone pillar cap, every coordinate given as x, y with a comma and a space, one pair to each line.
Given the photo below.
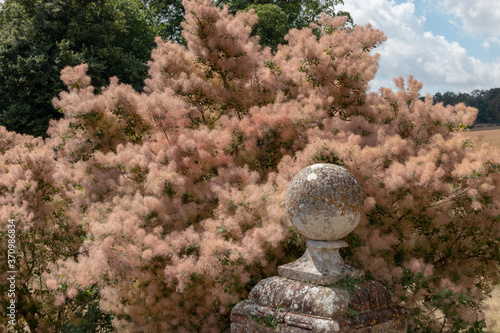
324, 202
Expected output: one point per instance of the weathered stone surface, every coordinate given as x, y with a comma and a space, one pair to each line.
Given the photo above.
324, 202
397, 325
370, 295
321, 264
299, 297
278, 304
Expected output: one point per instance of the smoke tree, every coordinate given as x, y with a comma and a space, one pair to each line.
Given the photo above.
178, 210
39, 194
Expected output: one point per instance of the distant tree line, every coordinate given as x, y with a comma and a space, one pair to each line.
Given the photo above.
486, 101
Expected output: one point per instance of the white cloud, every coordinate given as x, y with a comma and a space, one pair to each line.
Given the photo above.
490, 40
477, 16
440, 64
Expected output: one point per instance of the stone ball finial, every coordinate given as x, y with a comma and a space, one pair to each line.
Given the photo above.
324, 202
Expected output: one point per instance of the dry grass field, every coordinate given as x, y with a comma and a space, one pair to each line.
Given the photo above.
491, 136
493, 312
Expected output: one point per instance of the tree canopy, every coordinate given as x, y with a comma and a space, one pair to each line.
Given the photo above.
38, 38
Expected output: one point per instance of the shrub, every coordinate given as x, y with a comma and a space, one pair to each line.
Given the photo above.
180, 189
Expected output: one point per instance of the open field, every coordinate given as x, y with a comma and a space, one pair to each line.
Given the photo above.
489, 135
493, 312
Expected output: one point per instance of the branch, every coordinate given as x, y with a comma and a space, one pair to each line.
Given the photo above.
458, 193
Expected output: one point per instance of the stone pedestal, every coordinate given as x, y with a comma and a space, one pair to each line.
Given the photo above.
324, 203
278, 304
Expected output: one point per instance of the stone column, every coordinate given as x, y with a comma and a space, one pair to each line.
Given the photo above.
319, 292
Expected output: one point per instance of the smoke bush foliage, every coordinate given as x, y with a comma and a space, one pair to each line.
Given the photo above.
170, 202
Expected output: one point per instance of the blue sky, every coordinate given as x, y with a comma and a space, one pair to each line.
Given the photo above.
449, 45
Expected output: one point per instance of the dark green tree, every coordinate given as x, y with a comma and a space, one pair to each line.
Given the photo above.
494, 107
38, 38
276, 18
272, 25
166, 16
